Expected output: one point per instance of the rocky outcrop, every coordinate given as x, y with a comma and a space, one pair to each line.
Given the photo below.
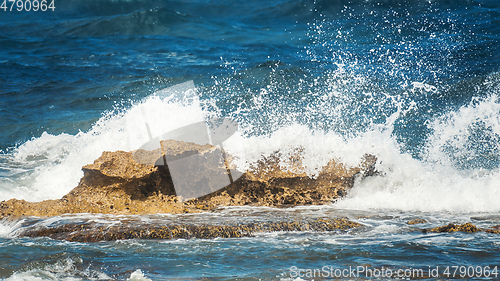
141, 182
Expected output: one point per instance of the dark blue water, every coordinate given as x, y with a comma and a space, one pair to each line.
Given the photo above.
416, 83
78, 61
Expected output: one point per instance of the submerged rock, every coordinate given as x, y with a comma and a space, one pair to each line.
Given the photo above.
94, 233
466, 227
416, 221
142, 182
494, 229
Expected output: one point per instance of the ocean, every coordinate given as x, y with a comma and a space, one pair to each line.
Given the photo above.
415, 83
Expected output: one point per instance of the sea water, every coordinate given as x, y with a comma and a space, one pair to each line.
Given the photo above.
415, 83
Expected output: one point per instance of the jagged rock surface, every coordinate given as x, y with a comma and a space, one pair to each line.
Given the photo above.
133, 183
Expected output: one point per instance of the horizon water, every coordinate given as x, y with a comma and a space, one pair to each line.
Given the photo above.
415, 83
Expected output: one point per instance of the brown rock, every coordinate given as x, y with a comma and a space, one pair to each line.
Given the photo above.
267, 184
138, 183
466, 227
416, 221
492, 231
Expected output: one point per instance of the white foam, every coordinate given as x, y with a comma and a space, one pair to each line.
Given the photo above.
317, 147
461, 136
8, 228
56, 160
64, 270
138, 275
439, 182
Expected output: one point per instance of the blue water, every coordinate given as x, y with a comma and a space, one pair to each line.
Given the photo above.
416, 83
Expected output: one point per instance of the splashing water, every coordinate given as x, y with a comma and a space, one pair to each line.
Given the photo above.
457, 170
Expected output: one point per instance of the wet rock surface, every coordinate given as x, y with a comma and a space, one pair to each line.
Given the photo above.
465, 227
91, 232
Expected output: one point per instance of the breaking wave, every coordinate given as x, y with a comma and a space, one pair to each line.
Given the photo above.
455, 167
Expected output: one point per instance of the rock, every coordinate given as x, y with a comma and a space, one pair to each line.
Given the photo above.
466, 227
94, 233
416, 221
492, 231
267, 184
160, 181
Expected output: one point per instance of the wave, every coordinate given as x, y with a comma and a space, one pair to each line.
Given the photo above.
254, 9
456, 168
211, 20
458, 171
66, 266
171, 23
140, 22
42, 158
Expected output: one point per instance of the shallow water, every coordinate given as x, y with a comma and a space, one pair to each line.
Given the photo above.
385, 242
416, 83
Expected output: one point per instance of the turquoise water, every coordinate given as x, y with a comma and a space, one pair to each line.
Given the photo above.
415, 83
